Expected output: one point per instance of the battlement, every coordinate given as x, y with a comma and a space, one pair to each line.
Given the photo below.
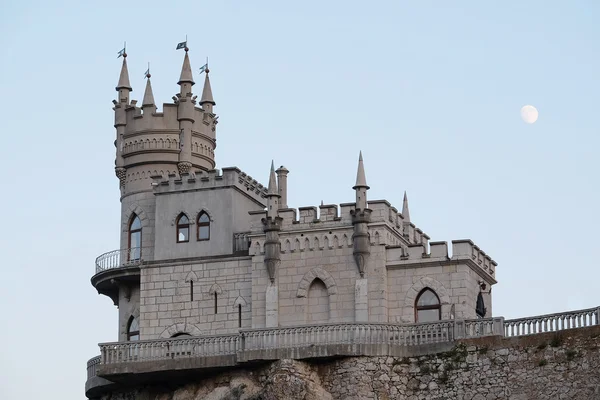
228, 177
331, 216
462, 250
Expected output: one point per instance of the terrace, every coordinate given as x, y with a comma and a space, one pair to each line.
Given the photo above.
120, 361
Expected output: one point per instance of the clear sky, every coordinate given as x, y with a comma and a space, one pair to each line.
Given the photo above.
429, 91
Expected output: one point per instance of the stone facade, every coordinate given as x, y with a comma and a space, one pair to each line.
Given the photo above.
263, 264
544, 366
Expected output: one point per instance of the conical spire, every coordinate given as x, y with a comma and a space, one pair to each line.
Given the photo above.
148, 95
124, 77
186, 71
207, 96
361, 180
272, 182
405, 212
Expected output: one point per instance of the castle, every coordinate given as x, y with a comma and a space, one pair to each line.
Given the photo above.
205, 253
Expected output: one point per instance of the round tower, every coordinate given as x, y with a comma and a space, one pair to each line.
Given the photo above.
179, 140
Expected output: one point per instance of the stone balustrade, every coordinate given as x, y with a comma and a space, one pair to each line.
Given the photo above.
167, 349
92, 365
122, 258
324, 340
552, 322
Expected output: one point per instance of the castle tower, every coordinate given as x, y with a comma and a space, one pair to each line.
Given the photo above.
179, 140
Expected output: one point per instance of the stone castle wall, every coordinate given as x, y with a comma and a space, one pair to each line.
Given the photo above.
542, 366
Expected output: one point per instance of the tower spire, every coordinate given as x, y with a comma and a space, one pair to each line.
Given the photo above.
148, 100
124, 87
207, 100
361, 180
361, 185
405, 211
272, 190
186, 71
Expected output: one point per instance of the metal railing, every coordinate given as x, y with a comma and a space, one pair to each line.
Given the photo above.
122, 258
552, 322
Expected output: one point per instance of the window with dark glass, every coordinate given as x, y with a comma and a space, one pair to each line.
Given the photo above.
133, 329
239, 315
203, 226
135, 239
183, 229
428, 307
480, 307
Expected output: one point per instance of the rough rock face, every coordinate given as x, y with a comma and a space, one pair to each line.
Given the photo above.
544, 366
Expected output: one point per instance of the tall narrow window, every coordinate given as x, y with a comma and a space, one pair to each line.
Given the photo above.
480, 307
191, 290
133, 329
203, 226
215, 302
239, 315
428, 307
183, 229
135, 239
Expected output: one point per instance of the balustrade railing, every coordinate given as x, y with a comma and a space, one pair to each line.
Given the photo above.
552, 322
92, 364
482, 327
149, 350
351, 333
384, 337
122, 258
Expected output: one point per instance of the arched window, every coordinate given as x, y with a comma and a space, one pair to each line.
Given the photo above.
428, 307
133, 329
181, 335
135, 239
480, 307
203, 226
183, 228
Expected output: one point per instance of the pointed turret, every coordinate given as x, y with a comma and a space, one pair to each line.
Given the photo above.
272, 226
148, 100
124, 87
405, 212
361, 180
361, 216
272, 194
361, 185
207, 101
186, 72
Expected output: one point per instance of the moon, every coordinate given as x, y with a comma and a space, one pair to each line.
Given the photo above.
529, 114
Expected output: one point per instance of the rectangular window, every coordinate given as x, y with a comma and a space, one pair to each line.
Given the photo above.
191, 290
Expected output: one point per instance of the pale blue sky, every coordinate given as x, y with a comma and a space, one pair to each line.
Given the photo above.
429, 91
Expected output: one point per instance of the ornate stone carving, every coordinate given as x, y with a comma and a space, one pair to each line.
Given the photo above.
184, 167
121, 174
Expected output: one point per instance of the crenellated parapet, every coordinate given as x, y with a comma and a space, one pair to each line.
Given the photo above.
462, 251
213, 179
384, 212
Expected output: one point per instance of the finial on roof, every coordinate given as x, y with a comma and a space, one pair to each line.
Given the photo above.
361, 180
272, 190
405, 211
186, 70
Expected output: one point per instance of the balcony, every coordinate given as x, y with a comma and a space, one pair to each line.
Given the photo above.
119, 266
